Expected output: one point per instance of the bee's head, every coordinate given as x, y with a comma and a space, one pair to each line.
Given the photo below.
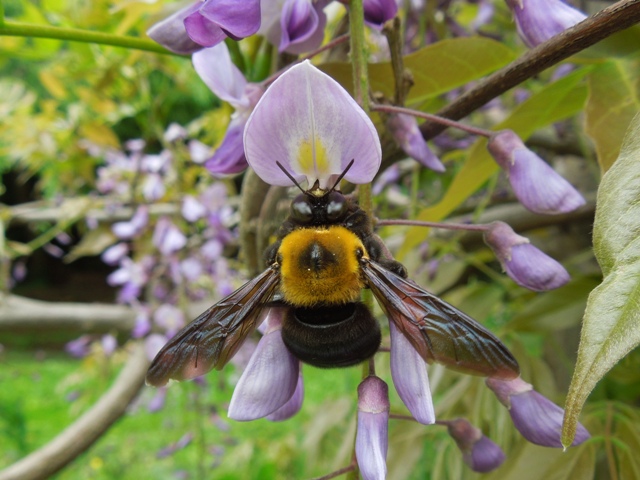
308, 209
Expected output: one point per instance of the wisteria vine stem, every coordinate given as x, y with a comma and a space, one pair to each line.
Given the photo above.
17, 29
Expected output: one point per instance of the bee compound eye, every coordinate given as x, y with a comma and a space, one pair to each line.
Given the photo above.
301, 210
336, 206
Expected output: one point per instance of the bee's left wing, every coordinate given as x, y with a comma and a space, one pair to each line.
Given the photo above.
214, 337
437, 330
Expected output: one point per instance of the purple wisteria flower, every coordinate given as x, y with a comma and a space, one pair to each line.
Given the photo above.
538, 187
218, 72
377, 12
537, 418
372, 439
409, 373
132, 228
271, 377
406, 133
528, 266
539, 20
295, 26
167, 237
312, 126
292, 406
479, 452
205, 24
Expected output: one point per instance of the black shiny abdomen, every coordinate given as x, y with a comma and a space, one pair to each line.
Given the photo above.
332, 336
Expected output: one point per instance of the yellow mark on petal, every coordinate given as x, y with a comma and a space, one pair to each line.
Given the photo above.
312, 158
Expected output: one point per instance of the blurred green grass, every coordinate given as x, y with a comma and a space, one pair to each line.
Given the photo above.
42, 393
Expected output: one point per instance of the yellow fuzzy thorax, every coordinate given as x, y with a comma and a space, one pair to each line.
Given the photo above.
319, 266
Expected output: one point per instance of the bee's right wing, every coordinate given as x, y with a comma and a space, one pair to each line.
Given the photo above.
214, 337
438, 331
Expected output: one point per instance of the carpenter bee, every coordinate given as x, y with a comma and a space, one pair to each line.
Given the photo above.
326, 252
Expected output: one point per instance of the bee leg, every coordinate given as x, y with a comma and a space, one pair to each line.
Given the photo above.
379, 253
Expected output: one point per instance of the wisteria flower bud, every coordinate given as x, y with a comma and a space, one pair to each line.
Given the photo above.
372, 438
538, 186
378, 12
539, 20
528, 266
479, 452
405, 131
537, 418
172, 34
410, 378
271, 377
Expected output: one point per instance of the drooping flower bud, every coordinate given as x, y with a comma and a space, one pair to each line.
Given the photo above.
172, 34
373, 425
405, 131
537, 418
528, 266
378, 12
539, 20
409, 373
538, 187
271, 377
479, 452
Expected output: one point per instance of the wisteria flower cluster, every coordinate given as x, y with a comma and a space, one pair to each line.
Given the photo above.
166, 254
304, 128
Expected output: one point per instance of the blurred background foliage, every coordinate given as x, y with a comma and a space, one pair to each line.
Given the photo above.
60, 96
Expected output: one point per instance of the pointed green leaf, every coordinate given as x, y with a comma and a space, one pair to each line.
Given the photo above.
436, 69
555, 310
614, 98
611, 324
554, 102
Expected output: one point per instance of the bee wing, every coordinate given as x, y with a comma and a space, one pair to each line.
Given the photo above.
214, 337
437, 330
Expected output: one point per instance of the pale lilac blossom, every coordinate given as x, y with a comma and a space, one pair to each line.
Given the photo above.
132, 228
312, 126
192, 210
404, 129
217, 71
537, 418
167, 237
479, 452
539, 20
538, 186
528, 266
205, 24
372, 438
115, 253
271, 377
409, 374
295, 26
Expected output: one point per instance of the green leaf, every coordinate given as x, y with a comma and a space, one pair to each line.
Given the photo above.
614, 98
436, 69
556, 310
611, 324
554, 102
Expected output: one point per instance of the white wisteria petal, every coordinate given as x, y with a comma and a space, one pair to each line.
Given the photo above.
218, 72
409, 374
312, 126
271, 377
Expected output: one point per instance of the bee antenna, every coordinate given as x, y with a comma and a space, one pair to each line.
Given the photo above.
342, 175
284, 170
